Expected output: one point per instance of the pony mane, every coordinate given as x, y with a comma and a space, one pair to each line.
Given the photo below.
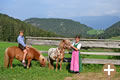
35, 50
61, 45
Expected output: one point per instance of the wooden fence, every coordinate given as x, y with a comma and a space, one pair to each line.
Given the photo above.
86, 43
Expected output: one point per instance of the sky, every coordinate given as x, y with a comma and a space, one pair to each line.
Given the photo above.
24, 9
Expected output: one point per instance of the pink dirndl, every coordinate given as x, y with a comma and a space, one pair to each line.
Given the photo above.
75, 61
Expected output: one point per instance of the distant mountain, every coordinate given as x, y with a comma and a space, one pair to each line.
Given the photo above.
112, 31
98, 22
10, 27
64, 27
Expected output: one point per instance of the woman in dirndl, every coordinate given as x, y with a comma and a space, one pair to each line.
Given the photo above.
76, 63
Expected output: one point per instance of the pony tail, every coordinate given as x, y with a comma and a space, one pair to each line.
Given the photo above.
6, 59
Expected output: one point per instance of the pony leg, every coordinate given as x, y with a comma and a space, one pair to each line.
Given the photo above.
28, 64
49, 65
57, 64
52, 65
61, 64
10, 61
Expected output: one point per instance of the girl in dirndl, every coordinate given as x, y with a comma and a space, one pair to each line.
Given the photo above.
76, 63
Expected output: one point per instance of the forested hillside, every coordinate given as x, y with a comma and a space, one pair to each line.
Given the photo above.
10, 27
64, 27
112, 31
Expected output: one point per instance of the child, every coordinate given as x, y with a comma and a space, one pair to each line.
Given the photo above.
76, 64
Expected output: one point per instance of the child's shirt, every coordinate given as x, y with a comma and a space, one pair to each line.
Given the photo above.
78, 45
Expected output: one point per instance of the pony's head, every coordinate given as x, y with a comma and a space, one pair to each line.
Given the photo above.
42, 60
66, 44
38, 56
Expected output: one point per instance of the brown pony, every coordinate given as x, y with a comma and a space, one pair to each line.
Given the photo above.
56, 54
15, 52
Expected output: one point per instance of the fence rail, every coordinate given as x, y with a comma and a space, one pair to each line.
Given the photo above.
86, 43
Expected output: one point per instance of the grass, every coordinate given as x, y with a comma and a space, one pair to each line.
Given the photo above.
95, 32
34, 73
115, 38
43, 73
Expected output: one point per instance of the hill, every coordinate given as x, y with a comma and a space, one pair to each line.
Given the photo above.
10, 27
97, 22
112, 31
64, 27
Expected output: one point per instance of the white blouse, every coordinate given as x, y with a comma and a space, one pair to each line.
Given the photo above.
78, 46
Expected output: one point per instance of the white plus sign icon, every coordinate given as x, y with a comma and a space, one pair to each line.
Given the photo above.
109, 70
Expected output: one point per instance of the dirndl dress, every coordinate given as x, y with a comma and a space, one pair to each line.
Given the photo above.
76, 62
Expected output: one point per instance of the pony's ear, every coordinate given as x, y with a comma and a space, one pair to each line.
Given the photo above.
63, 40
61, 44
43, 59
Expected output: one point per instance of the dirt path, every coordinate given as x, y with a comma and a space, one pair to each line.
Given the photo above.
92, 76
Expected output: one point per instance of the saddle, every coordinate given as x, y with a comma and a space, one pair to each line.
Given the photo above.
21, 47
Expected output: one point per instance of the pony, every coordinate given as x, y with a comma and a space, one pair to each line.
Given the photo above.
57, 54
16, 52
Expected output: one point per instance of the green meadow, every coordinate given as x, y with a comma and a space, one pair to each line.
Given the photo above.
43, 73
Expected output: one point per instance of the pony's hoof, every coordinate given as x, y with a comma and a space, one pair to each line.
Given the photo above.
56, 70
11, 67
30, 68
61, 70
27, 67
49, 68
52, 68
